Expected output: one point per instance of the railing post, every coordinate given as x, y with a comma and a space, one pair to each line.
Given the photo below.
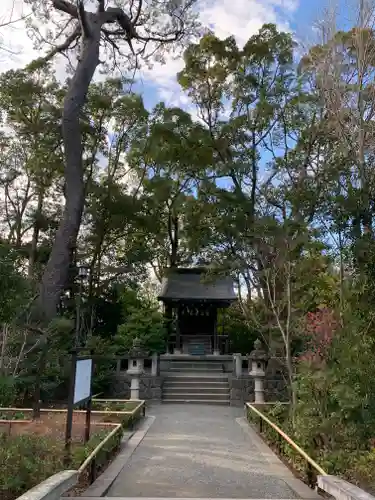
279, 441
310, 476
92, 471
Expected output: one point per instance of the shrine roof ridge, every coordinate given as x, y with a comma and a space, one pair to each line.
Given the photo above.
188, 284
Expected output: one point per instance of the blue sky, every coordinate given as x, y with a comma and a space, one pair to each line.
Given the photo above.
241, 18
296, 16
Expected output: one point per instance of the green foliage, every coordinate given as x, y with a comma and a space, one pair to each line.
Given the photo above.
241, 333
273, 185
15, 289
16, 415
145, 324
115, 405
28, 460
8, 391
115, 409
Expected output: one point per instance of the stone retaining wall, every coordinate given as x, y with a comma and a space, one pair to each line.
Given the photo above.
241, 389
275, 386
150, 386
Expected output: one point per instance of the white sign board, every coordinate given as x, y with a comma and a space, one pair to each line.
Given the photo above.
82, 383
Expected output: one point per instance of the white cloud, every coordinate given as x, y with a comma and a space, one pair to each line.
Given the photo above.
16, 49
241, 18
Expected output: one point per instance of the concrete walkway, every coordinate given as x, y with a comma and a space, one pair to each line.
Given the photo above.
193, 451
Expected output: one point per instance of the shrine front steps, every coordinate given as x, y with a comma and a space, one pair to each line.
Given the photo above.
197, 365
189, 388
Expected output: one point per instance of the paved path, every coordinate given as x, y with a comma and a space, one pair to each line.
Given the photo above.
195, 451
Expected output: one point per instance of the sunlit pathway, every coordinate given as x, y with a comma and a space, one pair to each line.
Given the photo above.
194, 451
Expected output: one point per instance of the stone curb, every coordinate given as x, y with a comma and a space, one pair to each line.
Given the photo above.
101, 485
280, 470
53, 487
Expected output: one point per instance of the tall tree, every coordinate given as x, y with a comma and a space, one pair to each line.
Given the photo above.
171, 156
108, 27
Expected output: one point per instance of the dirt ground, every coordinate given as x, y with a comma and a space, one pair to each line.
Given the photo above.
53, 425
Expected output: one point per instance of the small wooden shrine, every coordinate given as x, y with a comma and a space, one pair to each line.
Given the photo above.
192, 299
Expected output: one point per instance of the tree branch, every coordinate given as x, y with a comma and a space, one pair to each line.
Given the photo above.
115, 14
85, 30
135, 20
59, 48
65, 6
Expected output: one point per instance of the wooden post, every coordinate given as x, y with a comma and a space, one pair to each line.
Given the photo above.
310, 476
168, 313
178, 335
260, 425
89, 406
69, 416
216, 351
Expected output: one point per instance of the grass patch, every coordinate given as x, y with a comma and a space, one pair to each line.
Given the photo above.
128, 413
114, 405
15, 415
26, 460
30, 452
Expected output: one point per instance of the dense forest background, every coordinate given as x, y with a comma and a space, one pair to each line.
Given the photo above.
270, 180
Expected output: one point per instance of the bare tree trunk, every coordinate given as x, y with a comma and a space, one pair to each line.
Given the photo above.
284, 326
56, 272
173, 239
361, 67
35, 237
341, 277
4, 340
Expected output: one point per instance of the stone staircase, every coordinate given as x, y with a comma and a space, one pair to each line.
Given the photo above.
196, 381
199, 346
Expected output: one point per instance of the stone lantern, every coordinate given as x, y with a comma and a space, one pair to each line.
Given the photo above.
135, 369
258, 358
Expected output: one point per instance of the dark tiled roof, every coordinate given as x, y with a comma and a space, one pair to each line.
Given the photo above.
194, 284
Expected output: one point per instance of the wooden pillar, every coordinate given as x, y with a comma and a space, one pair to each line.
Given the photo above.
178, 333
216, 349
168, 312
223, 316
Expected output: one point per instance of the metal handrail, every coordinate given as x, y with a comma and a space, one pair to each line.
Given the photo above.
94, 453
311, 463
91, 459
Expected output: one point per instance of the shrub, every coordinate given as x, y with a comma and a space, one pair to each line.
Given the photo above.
147, 324
27, 460
8, 391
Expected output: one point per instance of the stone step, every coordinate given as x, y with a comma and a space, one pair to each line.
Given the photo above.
164, 498
159, 498
215, 369
196, 378
223, 396
195, 390
198, 343
183, 384
202, 363
198, 401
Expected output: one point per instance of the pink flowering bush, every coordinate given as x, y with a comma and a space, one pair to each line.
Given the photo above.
320, 329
